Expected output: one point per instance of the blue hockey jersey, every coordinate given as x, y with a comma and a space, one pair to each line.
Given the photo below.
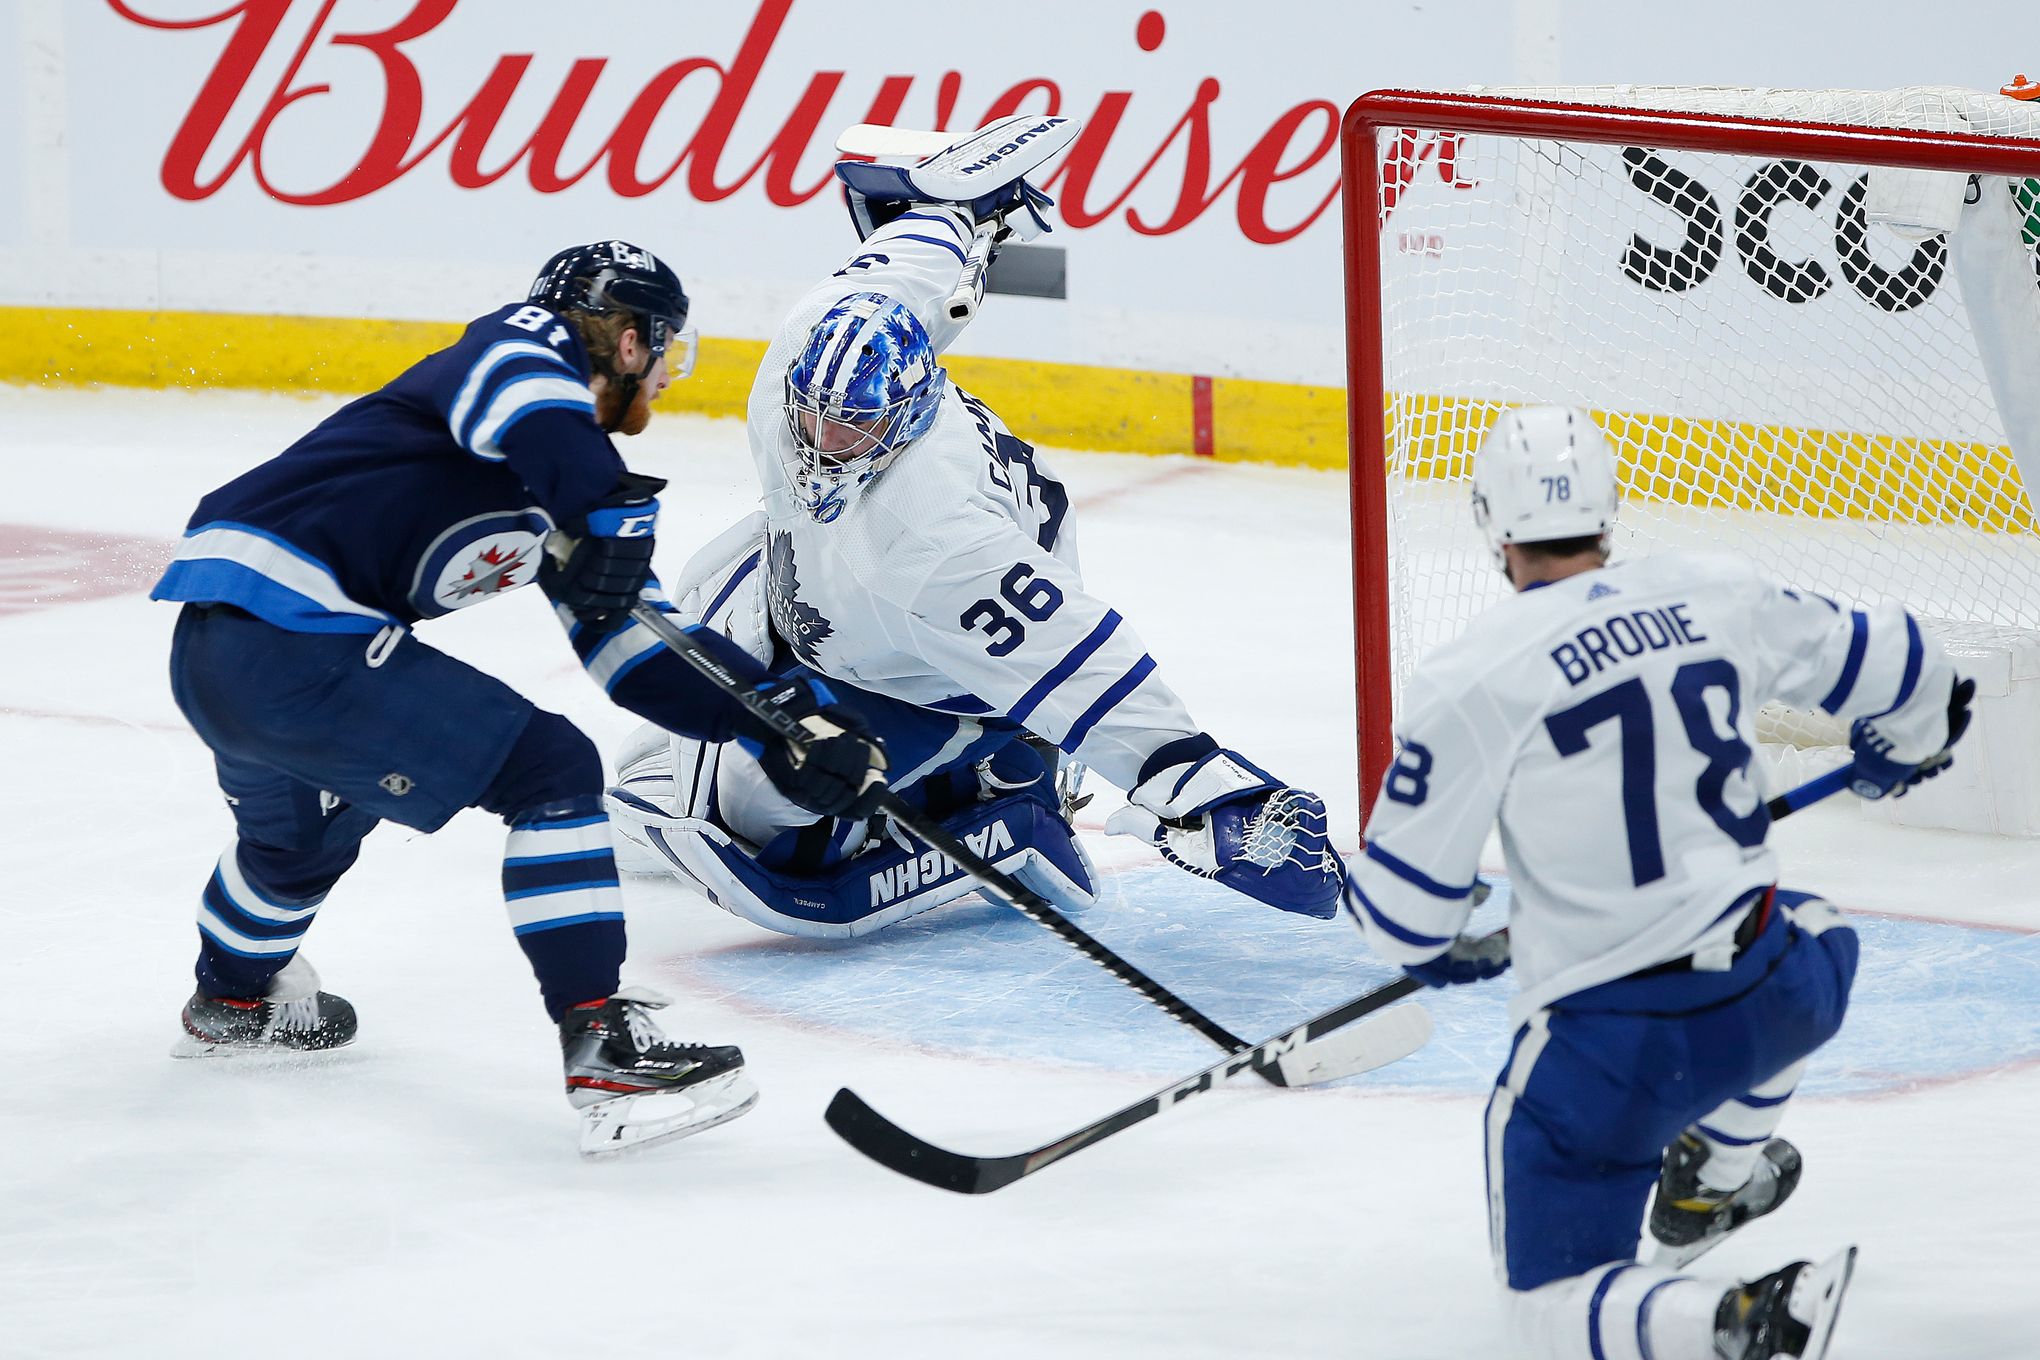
431, 494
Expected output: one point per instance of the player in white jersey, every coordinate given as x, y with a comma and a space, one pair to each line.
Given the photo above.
1670, 992
922, 558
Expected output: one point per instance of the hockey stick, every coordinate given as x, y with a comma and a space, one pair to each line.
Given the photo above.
1022, 899
892, 1147
970, 288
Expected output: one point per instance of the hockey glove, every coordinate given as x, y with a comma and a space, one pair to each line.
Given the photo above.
1875, 773
596, 563
1218, 815
1467, 959
837, 769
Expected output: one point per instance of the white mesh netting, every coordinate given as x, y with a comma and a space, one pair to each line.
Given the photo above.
1779, 372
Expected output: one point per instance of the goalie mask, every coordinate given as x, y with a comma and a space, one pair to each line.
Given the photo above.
1543, 473
865, 385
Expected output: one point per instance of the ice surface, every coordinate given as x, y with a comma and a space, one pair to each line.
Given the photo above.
419, 1193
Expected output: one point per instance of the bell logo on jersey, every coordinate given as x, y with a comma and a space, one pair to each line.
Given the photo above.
478, 559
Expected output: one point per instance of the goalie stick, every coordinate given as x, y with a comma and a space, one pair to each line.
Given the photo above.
1014, 894
892, 1147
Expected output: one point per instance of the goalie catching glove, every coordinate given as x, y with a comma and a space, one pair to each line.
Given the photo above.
838, 770
1218, 815
980, 171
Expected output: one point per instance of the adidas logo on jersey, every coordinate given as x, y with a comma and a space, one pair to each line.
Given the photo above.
1601, 591
932, 867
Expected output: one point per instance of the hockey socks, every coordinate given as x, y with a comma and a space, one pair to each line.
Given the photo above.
254, 913
559, 883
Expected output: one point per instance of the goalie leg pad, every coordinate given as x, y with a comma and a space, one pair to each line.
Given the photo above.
872, 890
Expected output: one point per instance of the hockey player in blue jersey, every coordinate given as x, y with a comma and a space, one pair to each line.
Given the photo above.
481, 469
923, 558
1669, 990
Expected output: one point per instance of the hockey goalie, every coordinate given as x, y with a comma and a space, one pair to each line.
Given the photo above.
918, 561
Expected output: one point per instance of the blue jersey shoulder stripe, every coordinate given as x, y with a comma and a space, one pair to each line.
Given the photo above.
1415, 877
1399, 931
941, 218
1109, 700
950, 246
1845, 683
1065, 668
730, 586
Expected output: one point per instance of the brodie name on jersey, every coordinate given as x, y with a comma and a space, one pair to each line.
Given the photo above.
1594, 647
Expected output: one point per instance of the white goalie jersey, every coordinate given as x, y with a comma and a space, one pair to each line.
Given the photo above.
951, 581
1606, 722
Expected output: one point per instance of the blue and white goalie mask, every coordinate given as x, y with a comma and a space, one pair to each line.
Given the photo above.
865, 386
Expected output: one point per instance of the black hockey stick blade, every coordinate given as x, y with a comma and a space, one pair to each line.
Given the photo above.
892, 1147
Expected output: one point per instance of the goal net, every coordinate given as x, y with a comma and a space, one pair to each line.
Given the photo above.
1809, 322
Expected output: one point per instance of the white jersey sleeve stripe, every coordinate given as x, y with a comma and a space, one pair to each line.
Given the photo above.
517, 399
619, 653
492, 358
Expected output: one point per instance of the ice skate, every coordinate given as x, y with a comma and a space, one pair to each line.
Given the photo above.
634, 1087
294, 1016
1790, 1312
1689, 1219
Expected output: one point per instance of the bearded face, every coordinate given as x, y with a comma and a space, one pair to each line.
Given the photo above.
613, 416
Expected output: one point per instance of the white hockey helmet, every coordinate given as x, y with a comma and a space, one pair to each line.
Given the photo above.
1543, 473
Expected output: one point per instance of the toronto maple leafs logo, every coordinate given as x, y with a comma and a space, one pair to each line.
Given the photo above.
800, 623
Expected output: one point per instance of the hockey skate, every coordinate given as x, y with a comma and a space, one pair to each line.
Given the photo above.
1790, 1312
634, 1087
294, 1016
1689, 1219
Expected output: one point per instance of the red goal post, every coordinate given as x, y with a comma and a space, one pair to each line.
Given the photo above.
1372, 126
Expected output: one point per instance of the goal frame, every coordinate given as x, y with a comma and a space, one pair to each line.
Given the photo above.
1367, 441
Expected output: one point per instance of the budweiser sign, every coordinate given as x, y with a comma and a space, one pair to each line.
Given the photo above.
484, 143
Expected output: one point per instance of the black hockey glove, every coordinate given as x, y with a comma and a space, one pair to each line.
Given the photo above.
596, 565
837, 769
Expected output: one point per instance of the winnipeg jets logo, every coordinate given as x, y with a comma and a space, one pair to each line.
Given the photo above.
800, 623
493, 570
478, 559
